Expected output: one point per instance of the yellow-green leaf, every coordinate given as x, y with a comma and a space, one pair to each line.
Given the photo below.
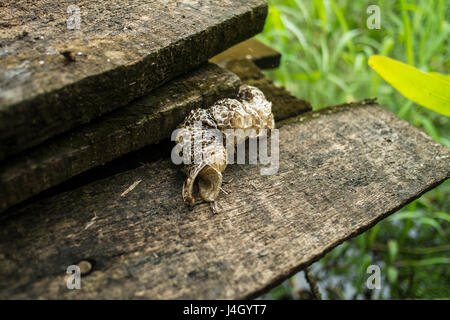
430, 90
440, 76
275, 18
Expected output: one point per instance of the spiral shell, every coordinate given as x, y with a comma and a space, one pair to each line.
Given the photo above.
250, 112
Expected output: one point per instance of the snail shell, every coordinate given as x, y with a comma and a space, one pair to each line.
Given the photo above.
250, 112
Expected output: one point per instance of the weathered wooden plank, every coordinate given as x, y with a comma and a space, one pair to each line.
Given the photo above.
252, 49
342, 169
53, 78
284, 104
131, 128
145, 121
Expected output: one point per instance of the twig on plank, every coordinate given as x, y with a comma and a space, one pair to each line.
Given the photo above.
313, 285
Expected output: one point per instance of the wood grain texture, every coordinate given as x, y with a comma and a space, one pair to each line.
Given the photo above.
252, 49
145, 121
123, 50
342, 169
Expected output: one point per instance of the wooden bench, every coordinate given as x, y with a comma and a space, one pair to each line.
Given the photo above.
105, 195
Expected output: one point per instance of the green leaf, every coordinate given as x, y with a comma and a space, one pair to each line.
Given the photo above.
321, 12
407, 215
431, 222
315, 75
366, 261
278, 292
392, 274
429, 127
372, 235
428, 90
420, 218
443, 216
440, 76
407, 32
393, 250
424, 262
275, 18
295, 30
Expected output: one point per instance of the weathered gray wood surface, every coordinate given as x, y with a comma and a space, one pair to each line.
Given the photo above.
122, 50
342, 169
145, 121
252, 49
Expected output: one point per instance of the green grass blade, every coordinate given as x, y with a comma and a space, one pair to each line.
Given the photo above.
425, 262
407, 32
443, 216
